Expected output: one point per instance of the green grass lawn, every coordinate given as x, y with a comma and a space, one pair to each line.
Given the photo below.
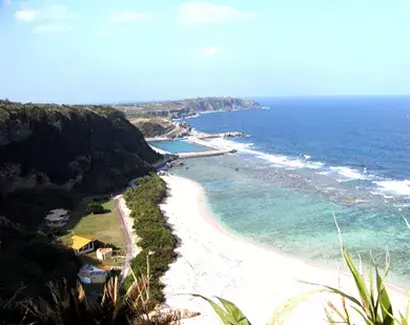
104, 227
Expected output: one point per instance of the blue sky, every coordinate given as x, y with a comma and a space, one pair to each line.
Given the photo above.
78, 51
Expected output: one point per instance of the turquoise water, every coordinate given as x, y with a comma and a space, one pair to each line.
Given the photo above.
178, 146
273, 193
258, 204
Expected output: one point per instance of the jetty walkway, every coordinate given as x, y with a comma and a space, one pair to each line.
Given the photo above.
196, 154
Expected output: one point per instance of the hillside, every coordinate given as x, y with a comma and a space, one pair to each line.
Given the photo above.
187, 107
47, 151
152, 126
160, 126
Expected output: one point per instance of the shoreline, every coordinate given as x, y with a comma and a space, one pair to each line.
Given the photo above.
215, 262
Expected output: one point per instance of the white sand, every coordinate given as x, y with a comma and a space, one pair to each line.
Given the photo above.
214, 263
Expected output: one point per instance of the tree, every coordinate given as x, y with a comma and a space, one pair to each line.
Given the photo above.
95, 208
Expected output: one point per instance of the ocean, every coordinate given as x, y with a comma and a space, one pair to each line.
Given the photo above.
305, 159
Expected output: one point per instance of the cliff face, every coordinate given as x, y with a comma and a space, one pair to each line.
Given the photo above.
73, 148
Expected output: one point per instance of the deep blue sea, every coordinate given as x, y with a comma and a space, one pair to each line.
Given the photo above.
306, 158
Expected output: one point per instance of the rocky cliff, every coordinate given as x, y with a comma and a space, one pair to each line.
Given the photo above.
66, 148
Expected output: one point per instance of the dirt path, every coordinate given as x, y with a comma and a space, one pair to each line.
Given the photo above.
131, 249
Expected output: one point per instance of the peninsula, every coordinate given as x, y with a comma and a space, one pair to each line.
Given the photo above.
158, 118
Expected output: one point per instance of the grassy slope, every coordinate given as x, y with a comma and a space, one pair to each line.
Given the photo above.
104, 227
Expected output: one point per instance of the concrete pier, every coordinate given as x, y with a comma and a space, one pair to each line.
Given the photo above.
196, 154
199, 154
157, 139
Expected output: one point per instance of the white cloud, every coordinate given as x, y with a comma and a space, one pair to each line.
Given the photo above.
211, 51
48, 19
51, 28
205, 12
130, 16
27, 15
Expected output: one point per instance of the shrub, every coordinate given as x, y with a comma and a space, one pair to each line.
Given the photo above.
157, 240
95, 208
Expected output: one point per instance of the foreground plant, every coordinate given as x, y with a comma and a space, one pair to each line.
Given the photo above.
71, 306
373, 306
228, 312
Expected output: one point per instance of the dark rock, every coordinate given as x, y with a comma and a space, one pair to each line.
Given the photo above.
72, 148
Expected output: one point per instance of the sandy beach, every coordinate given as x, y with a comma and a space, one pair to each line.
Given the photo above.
259, 281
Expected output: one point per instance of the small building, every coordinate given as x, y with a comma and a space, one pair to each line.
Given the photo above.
83, 244
104, 253
90, 274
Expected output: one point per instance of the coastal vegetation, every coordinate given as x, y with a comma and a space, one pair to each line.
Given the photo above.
155, 237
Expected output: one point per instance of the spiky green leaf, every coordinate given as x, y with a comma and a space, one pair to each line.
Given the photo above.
225, 317
360, 285
384, 300
235, 312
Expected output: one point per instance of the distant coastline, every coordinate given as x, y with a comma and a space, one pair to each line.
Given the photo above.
187, 107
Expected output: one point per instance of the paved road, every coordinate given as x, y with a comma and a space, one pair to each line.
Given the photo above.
128, 244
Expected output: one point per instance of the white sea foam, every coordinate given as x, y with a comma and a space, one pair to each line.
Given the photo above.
394, 186
402, 205
276, 160
349, 174
192, 117
387, 197
343, 173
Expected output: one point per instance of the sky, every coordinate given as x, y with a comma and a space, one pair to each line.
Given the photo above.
99, 51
